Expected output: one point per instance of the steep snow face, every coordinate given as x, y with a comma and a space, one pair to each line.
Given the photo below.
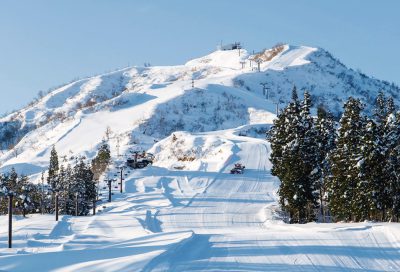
224, 59
156, 101
291, 56
314, 70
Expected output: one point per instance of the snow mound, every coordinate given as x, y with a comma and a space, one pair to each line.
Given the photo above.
220, 58
195, 152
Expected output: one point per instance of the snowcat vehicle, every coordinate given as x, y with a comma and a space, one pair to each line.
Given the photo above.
238, 169
140, 160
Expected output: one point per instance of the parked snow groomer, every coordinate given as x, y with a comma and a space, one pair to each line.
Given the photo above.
238, 169
140, 160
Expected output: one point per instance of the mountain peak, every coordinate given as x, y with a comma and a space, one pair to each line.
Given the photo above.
278, 57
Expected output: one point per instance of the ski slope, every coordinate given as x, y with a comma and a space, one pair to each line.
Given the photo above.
200, 218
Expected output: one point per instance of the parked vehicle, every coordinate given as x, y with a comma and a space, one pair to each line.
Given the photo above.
238, 169
140, 160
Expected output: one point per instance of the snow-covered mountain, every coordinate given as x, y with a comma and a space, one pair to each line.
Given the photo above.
186, 212
156, 101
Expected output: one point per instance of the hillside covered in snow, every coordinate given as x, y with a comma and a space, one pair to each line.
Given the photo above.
218, 91
187, 212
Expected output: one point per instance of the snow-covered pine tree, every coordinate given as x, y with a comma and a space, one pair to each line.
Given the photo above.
90, 187
280, 137
384, 106
292, 158
101, 161
368, 198
52, 177
63, 193
84, 186
9, 183
325, 134
380, 148
69, 203
12, 181
53, 169
345, 160
24, 203
391, 107
392, 167
309, 154
3, 192
46, 196
35, 195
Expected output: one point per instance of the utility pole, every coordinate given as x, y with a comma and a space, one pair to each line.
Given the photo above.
42, 195
277, 108
109, 190
76, 204
264, 85
10, 212
56, 205
120, 187
98, 188
118, 146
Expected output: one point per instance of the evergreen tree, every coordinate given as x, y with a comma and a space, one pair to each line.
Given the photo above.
295, 97
9, 183
381, 110
25, 200
24, 192
325, 134
12, 181
52, 178
69, 203
309, 156
391, 107
4, 188
392, 167
83, 186
101, 161
53, 169
345, 160
45, 196
369, 196
63, 193
379, 148
291, 138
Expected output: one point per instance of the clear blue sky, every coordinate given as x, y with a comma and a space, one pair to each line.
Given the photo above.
46, 43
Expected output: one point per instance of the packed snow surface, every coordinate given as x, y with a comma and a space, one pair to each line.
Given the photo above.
197, 218
186, 212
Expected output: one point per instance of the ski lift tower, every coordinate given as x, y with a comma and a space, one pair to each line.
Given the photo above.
277, 102
264, 85
258, 61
